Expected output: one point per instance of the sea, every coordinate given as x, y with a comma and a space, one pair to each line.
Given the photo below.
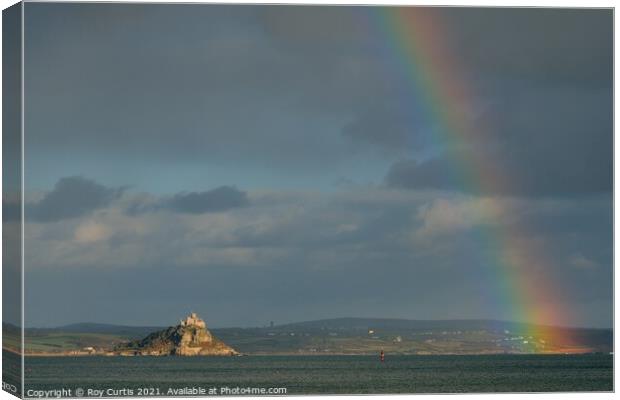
294, 375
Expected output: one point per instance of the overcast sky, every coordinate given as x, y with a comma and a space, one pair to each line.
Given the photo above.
263, 163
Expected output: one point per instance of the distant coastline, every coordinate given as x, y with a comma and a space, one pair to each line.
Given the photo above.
345, 336
572, 351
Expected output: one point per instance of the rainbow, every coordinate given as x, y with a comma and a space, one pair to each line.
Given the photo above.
517, 281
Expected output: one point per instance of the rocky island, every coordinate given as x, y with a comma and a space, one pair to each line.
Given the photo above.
189, 338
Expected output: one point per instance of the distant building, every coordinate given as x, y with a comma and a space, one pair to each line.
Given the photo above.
193, 320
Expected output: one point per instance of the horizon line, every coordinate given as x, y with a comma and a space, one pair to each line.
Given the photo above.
321, 320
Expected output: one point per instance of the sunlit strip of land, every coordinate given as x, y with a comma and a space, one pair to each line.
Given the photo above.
337, 336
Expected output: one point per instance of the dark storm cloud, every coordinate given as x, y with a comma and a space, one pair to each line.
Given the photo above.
547, 46
544, 141
240, 82
71, 197
431, 174
76, 196
541, 104
240, 93
389, 126
217, 78
219, 199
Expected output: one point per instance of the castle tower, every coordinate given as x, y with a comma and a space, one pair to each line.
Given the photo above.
193, 320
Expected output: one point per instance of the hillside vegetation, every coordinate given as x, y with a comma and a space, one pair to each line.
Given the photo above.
347, 336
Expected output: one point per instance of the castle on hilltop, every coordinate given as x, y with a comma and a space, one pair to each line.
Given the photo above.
190, 338
193, 320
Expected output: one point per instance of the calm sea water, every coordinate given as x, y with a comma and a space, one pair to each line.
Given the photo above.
330, 374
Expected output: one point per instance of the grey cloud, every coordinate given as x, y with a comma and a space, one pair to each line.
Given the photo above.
71, 197
431, 174
215, 77
543, 141
544, 44
273, 66
547, 45
311, 252
219, 199
392, 126
540, 102
77, 196
240, 93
